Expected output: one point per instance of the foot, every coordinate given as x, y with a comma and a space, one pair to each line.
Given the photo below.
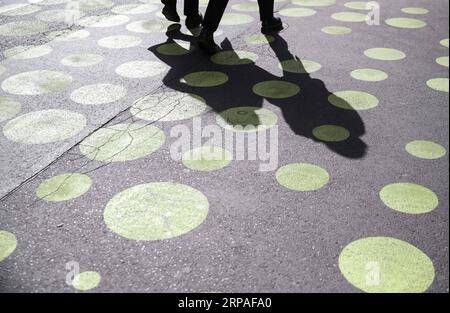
194, 21
274, 25
206, 42
171, 13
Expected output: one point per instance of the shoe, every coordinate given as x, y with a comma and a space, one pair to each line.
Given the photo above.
206, 42
194, 21
171, 14
274, 25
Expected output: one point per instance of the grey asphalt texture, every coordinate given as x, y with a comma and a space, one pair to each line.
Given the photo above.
258, 236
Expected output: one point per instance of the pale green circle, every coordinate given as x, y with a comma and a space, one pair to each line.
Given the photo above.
369, 75
314, 3
384, 54
206, 158
234, 57
81, 60
48, 2
205, 79
8, 244
247, 119
141, 69
68, 35
174, 49
122, 142
36, 82
352, 17
40, 127
101, 21
230, 19
386, 265
442, 61
297, 12
438, 84
134, 8
353, 100
357, 5
403, 22
18, 9
300, 66
331, 133
27, 52
246, 7
64, 187
168, 106
59, 15
409, 198
23, 28
8, 108
302, 177
444, 42
259, 39
414, 10
119, 42
156, 211
425, 149
276, 89
86, 280
336, 30
98, 94
91, 5
149, 26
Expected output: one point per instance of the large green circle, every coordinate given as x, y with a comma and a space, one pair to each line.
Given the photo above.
353, 100
174, 49
297, 12
302, 177
64, 187
425, 149
352, 17
27, 52
337, 30
369, 75
205, 79
276, 89
314, 3
247, 119
438, 84
98, 94
234, 57
36, 82
299, 66
442, 61
86, 280
23, 28
8, 244
403, 22
206, 158
331, 133
9, 108
409, 198
156, 211
384, 54
386, 265
122, 142
414, 10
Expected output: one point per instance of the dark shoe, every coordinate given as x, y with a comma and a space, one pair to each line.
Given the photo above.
171, 13
274, 25
194, 21
206, 42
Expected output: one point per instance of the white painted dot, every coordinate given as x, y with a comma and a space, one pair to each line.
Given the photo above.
98, 94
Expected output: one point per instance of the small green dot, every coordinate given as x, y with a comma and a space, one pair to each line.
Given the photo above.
259, 39
409, 198
173, 49
331, 133
86, 281
351, 17
442, 61
234, 57
205, 79
302, 177
336, 30
384, 54
206, 159
425, 149
402, 22
414, 10
8, 244
300, 66
353, 100
368, 74
276, 89
438, 84
64, 187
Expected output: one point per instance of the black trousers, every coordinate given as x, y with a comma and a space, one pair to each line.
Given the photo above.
190, 6
216, 9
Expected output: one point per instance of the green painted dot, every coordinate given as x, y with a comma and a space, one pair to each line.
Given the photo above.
302, 177
403, 22
98, 94
337, 30
444, 42
2, 69
246, 7
276, 89
156, 211
297, 12
119, 42
353, 100
247, 119
81, 60
206, 159
230, 19
386, 265
168, 106
174, 49
442, 61
352, 17
369, 75
259, 39
438, 84
205, 79
59, 15
86, 280
102, 21
384, 54
92, 5
27, 52
8, 244
414, 10
425, 149
141, 69
331, 133
409, 198
122, 142
357, 5
299, 66
64, 187
149, 26
234, 57
314, 3
68, 35
8, 108
36, 82
18, 9
46, 126
23, 28
131, 9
